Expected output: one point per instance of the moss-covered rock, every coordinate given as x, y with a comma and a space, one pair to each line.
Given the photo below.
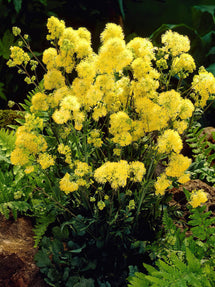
8, 117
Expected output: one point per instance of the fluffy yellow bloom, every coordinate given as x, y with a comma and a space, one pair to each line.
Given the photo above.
184, 178
82, 168
65, 60
45, 160
83, 49
31, 142
178, 165
113, 56
55, 28
175, 43
171, 101
94, 138
83, 33
203, 86
61, 116
53, 79
137, 130
18, 57
19, 157
180, 126
162, 184
66, 185
198, 197
29, 169
186, 109
111, 31
116, 173
70, 103
169, 141
99, 112
142, 48
120, 125
58, 95
39, 102
152, 115
49, 57
137, 171
79, 118
101, 205
183, 65
146, 86
140, 68
86, 69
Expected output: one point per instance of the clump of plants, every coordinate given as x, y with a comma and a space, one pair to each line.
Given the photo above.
102, 141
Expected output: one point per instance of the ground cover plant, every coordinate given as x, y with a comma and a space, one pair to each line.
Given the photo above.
101, 144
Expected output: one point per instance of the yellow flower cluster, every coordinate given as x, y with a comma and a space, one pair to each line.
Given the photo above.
18, 57
117, 173
95, 138
175, 43
203, 85
197, 198
67, 185
117, 99
169, 141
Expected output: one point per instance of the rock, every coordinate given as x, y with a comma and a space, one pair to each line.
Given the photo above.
17, 267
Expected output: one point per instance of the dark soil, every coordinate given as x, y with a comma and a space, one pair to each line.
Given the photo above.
17, 267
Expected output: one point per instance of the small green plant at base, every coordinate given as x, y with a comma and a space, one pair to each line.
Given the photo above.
184, 261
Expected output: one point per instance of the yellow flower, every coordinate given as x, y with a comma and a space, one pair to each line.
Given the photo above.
142, 48
45, 160
162, 184
111, 31
178, 165
198, 197
19, 157
175, 43
203, 85
66, 185
171, 101
137, 171
70, 103
82, 168
183, 65
169, 141
184, 178
18, 56
55, 28
186, 109
101, 205
39, 102
116, 173
29, 169
49, 57
61, 116
53, 79
113, 56
180, 126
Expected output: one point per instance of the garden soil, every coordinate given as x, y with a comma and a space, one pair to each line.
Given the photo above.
17, 267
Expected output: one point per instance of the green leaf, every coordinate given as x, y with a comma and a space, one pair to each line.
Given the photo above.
5, 43
42, 258
17, 5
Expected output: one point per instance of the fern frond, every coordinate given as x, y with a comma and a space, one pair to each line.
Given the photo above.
7, 144
41, 226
